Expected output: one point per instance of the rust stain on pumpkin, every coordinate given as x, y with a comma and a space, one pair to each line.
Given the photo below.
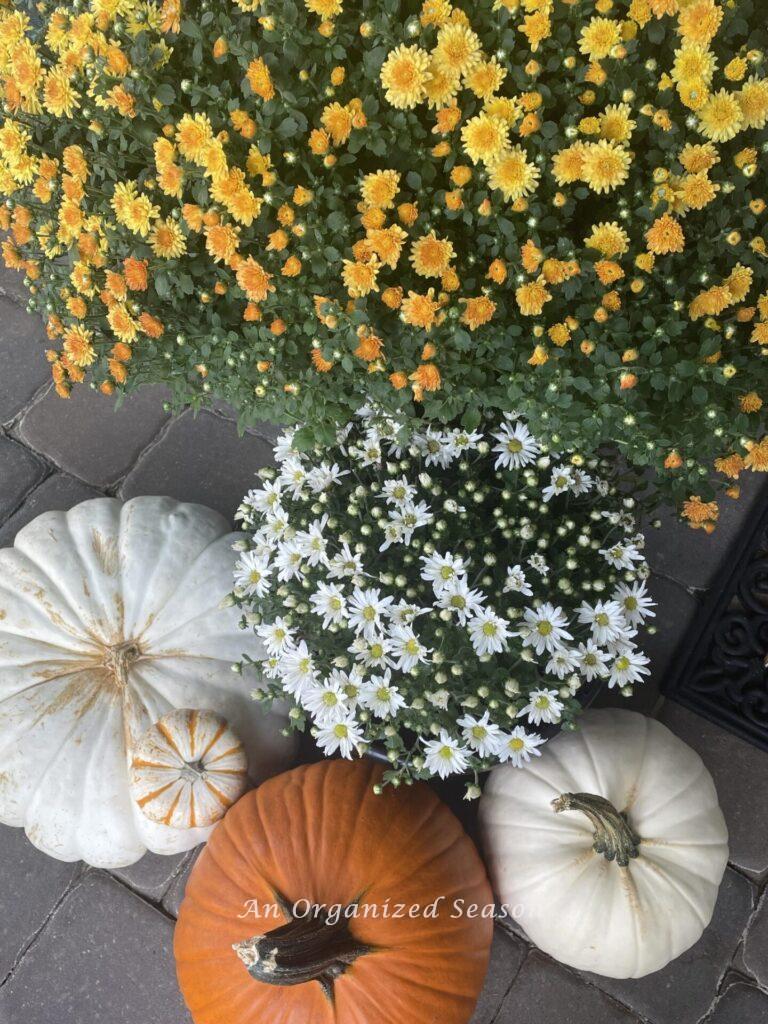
106, 552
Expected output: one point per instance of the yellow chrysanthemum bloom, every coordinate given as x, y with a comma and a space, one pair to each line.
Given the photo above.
167, 240
753, 101
337, 121
193, 135
60, 96
485, 138
697, 157
431, 256
568, 164
260, 79
435, 12
699, 21
606, 165
485, 78
599, 37
609, 238
254, 280
420, 310
78, 346
665, 235
505, 107
513, 174
388, 243
694, 62
720, 119
458, 49
441, 85
404, 74
360, 278
380, 188
616, 124
221, 241
324, 8
134, 211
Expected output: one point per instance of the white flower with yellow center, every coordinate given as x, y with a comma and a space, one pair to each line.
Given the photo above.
518, 746
445, 755
366, 610
489, 633
480, 733
344, 736
252, 574
543, 628
542, 706
381, 697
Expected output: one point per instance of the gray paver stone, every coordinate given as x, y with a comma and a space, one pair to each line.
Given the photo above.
19, 472
152, 875
23, 369
201, 458
175, 894
755, 952
740, 1004
89, 436
32, 883
546, 993
105, 956
507, 956
59, 491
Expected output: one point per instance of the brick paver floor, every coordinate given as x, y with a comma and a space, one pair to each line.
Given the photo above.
81, 946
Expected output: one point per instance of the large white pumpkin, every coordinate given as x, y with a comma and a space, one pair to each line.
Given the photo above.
610, 849
110, 616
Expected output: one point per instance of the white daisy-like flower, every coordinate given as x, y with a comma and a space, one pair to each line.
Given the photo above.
293, 477
516, 446
465, 440
329, 603
267, 498
366, 610
635, 602
629, 667
373, 653
518, 745
289, 561
382, 697
605, 618
581, 482
403, 614
460, 599
489, 633
271, 667
560, 482
440, 570
398, 491
544, 629
542, 706
445, 755
284, 446
394, 533
516, 582
481, 734
436, 448
313, 544
345, 564
326, 702
276, 525
369, 453
621, 555
324, 476
592, 662
406, 648
277, 635
562, 662
412, 517
297, 669
540, 564
344, 735
252, 574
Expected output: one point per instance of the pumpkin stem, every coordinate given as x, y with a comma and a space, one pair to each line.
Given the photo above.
307, 948
615, 838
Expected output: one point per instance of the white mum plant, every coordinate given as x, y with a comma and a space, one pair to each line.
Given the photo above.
442, 597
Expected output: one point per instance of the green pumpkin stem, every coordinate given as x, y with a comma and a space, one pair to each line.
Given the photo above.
615, 838
307, 948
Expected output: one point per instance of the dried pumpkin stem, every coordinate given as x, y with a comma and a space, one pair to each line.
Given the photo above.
307, 948
615, 838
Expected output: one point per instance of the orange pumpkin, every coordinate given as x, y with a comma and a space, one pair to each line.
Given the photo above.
257, 938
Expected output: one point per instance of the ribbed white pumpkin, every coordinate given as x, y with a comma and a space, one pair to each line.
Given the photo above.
110, 617
574, 903
188, 769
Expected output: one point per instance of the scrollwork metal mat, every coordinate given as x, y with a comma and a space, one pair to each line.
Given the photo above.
721, 668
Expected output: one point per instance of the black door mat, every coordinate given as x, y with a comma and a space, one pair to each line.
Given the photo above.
720, 670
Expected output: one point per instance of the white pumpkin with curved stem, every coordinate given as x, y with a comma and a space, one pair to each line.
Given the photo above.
111, 616
610, 849
188, 769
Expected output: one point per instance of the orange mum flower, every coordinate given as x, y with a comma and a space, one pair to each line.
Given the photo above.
699, 513
135, 274
151, 326
427, 377
260, 80
370, 348
478, 311
665, 235
757, 457
254, 280
320, 364
420, 310
673, 461
731, 465
531, 298
751, 402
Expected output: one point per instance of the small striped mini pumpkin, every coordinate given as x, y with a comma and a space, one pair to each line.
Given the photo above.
188, 769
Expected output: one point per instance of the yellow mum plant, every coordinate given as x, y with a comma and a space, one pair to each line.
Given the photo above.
449, 209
